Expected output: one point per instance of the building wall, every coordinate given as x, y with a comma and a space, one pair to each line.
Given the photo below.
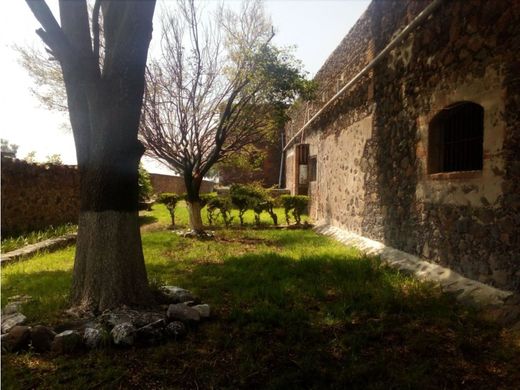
267, 174
372, 143
175, 184
36, 196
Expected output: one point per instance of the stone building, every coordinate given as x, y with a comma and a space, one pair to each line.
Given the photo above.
421, 151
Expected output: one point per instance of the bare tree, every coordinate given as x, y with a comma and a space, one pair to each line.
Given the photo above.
104, 104
212, 91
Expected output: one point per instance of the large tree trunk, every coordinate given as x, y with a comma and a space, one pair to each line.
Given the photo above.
104, 108
109, 266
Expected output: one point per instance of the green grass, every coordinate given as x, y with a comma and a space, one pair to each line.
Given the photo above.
291, 309
15, 242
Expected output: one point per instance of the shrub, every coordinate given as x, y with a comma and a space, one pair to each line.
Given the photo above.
170, 200
252, 197
244, 197
296, 203
223, 205
145, 184
205, 200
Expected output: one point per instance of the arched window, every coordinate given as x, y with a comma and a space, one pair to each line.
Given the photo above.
455, 138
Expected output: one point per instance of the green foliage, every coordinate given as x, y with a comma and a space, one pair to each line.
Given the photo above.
170, 200
31, 157
295, 203
145, 184
8, 148
223, 205
252, 197
16, 242
54, 159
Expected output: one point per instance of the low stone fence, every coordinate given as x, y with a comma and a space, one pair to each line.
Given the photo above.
175, 184
37, 196
274, 192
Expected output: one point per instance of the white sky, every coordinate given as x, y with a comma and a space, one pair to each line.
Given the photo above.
316, 27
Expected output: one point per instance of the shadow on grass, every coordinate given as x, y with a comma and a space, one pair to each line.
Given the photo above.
321, 321
49, 291
334, 321
147, 219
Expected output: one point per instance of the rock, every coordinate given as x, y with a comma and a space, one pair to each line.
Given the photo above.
175, 330
204, 310
18, 338
66, 342
93, 338
3, 341
177, 294
20, 298
42, 338
123, 334
11, 308
181, 312
152, 333
136, 318
12, 320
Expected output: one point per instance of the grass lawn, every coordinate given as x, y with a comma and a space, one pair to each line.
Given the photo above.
291, 309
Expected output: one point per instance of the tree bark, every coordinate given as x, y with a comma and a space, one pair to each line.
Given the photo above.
193, 201
104, 108
194, 212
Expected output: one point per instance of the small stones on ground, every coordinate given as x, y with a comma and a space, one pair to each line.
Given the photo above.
204, 310
42, 338
152, 333
12, 320
177, 294
20, 298
18, 338
11, 308
66, 342
93, 338
123, 334
176, 330
181, 312
136, 318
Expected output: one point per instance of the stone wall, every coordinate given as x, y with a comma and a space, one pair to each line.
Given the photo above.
175, 184
36, 196
372, 143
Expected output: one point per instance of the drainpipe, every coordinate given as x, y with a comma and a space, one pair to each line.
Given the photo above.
282, 159
418, 19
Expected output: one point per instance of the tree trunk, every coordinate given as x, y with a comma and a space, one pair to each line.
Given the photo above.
194, 212
104, 108
109, 265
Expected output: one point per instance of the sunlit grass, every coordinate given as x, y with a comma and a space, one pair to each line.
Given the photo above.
291, 309
15, 242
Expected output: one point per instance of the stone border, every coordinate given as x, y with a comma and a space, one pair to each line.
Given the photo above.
466, 290
30, 250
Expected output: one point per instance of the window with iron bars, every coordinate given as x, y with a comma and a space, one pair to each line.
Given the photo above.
455, 139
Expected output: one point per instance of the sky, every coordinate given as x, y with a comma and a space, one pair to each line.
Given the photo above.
315, 27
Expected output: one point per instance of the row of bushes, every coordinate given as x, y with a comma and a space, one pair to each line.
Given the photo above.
242, 197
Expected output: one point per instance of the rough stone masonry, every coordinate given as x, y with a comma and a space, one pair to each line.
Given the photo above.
371, 144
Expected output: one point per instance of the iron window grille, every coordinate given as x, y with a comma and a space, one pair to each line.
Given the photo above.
456, 136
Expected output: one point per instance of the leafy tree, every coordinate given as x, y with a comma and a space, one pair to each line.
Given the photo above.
8, 149
219, 86
31, 157
104, 99
54, 159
